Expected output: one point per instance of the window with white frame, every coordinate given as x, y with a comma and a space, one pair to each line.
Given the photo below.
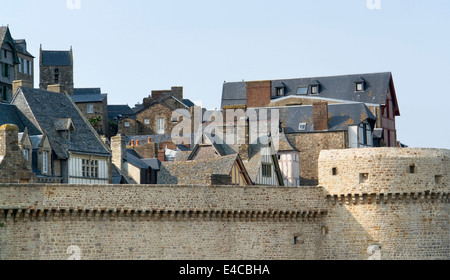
90, 108
127, 124
45, 162
360, 86
161, 126
89, 168
146, 121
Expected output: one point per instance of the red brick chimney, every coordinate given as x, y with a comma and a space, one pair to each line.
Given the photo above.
259, 93
320, 116
161, 155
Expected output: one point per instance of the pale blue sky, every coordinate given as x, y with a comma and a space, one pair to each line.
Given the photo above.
129, 48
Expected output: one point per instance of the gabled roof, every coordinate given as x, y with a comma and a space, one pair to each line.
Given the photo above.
284, 144
343, 87
42, 108
56, 58
135, 160
65, 124
21, 45
6, 38
195, 172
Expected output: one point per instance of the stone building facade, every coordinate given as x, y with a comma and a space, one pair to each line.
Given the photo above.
94, 106
56, 68
8, 61
24, 71
155, 116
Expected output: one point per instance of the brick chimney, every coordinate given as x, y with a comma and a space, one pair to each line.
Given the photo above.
320, 116
161, 155
259, 93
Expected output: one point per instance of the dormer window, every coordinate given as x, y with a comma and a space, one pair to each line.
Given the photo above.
360, 86
315, 89
302, 126
64, 127
280, 91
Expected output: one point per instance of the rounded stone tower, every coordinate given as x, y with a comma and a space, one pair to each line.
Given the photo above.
386, 203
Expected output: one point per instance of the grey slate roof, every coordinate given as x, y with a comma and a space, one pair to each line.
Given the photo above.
42, 108
10, 115
119, 110
77, 91
335, 87
133, 159
188, 102
341, 116
19, 47
5, 37
56, 58
87, 95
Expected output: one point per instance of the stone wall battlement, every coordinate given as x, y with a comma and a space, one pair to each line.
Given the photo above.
46, 215
384, 171
389, 198
152, 201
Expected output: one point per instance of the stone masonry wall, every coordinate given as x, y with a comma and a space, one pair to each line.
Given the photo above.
397, 199
395, 212
160, 222
310, 145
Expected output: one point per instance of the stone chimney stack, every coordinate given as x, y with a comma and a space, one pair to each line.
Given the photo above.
320, 116
20, 83
55, 88
177, 92
9, 140
243, 136
119, 153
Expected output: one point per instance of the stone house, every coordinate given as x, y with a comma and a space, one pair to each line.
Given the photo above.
155, 116
8, 60
14, 168
94, 105
56, 69
375, 90
63, 138
24, 71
